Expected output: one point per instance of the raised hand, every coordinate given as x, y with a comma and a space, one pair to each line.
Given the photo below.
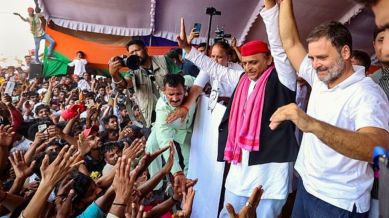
181, 39
52, 82
149, 185
126, 132
21, 168
60, 167
65, 187
64, 206
187, 205
65, 194
137, 211
122, 185
249, 210
123, 182
6, 136
233, 42
269, 3
83, 146
193, 35
170, 161
134, 150
148, 158
114, 66
6, 99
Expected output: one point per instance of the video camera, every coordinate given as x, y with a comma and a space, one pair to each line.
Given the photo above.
220, 35
132, 62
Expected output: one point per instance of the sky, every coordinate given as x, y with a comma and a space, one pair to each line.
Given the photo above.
15, 36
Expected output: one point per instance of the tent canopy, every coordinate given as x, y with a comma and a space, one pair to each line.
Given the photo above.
239, 18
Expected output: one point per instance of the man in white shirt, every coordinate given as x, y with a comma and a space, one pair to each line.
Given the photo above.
220, 53
79, 64
250, 166
85, 83
347, 117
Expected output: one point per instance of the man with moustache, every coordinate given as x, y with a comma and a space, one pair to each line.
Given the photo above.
257, 155
346, 118
380, 9
179, 132
147, 80
381, 76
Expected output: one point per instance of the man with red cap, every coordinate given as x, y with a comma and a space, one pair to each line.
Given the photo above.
37, 30
258, 155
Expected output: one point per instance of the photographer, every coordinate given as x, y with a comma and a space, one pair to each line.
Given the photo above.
145, 75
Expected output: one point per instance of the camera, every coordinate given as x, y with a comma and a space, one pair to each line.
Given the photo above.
212, 11
220, 35
132, 62
60, 142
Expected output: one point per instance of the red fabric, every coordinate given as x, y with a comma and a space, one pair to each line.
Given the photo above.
244, 124
254, 47
90, 131
166, 215
72, 111
17, 118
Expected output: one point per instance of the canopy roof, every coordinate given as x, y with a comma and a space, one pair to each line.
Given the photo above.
239, 18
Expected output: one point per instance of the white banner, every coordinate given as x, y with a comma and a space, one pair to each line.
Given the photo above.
202, 160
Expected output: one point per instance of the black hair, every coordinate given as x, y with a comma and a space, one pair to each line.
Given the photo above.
122, 106
80, 185
368, 2
39, 159
40, 107
109, 146
174, 80
137, 42
377, 31
32, 93
82, 53
106, 119
174, 53
362, 57
334, 31
33, 129
203, 44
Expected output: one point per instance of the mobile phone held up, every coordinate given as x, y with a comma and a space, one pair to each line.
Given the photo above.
42, 127
197, 27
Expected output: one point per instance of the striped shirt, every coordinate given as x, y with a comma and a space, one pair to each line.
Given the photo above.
384, 81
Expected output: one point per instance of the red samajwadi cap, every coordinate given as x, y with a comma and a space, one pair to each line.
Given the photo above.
73, 111
254, 47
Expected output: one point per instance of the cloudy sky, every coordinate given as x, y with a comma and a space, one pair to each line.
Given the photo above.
15, 37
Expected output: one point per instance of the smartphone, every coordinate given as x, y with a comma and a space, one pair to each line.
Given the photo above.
42, 127
197, 27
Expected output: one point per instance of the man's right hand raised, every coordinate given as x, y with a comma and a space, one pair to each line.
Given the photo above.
182, 39
114, 67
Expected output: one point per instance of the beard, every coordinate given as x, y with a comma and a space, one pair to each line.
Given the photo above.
142, 60
334, 72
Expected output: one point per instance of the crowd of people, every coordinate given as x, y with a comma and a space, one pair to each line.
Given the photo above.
84, 145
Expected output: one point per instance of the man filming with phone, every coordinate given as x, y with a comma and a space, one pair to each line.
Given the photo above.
145, 76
